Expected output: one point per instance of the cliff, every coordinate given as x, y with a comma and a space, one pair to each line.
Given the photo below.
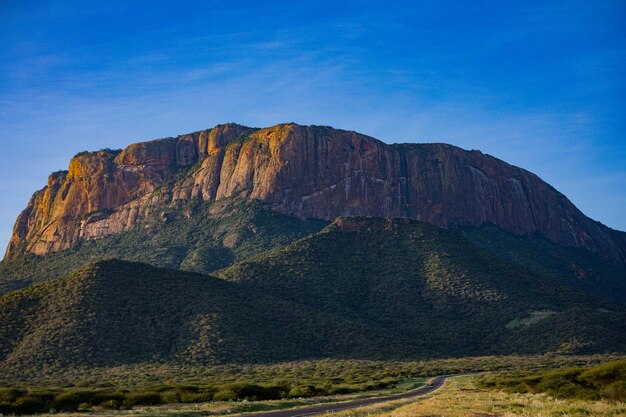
305, 171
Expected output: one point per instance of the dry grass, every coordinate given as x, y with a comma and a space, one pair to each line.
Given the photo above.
461, 398
458, 398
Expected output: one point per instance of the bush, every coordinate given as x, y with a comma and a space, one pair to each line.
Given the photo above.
195, 397
105, 397
602, 381
67, 401
306, 391
615, 391
9, 395
41, 396
604, 374
342, 389
84, 406
28, 405
170, 397
253, 392
111, 404
143, 398
522, 388
225, 395
7, 408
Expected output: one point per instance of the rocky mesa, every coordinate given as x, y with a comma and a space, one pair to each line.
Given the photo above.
304, 171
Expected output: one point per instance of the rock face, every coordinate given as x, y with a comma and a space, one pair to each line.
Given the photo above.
305, 171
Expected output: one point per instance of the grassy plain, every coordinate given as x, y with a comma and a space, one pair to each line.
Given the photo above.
462, 397
228, 389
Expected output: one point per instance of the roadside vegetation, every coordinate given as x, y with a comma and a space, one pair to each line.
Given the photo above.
464, 397
257, 387
606, 381
32, 401
291, 389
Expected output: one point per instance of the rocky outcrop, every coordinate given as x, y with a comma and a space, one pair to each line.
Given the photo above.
305, 171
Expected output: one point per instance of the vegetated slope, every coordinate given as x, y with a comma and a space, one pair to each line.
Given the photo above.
304, 171
360, 288
115, 312
212, 236
446, 294
577, 267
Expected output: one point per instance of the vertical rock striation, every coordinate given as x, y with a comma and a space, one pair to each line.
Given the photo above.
305, 171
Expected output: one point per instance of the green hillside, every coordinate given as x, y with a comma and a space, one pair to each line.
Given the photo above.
361, 288
437, 288
115, 312
214, 236
576, 267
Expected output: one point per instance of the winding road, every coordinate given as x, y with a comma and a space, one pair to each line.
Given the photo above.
431, 386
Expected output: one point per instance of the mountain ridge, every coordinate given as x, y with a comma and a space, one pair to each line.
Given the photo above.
362, 287
302, 171
213, 237
429, 281
113, 312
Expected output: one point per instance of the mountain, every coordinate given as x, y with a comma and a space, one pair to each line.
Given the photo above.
302, 171
439, 289
238, 245
581, 268
360, 288
214, 236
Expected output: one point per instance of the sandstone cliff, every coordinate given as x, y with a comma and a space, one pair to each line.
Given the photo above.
305, 171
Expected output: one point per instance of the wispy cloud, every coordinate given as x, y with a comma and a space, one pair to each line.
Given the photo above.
540, 87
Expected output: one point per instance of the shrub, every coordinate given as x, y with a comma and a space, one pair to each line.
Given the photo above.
170, 397
143, 398
111, 404
195, 397
41, 396
84, 406
29, 405
225, 395
255, 392
602, 381
342, 389
522, 388
306, 391
9, 395
7, 408
104, 397
605, 374
615, 391
67, 401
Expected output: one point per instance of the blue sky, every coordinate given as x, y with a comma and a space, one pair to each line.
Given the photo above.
540, 84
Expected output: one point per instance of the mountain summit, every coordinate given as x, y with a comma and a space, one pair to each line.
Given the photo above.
241, 245
303, 171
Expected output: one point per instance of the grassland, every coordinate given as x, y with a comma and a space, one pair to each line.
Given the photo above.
462, 397
606, 381
237, 388
581, 391
191, 405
